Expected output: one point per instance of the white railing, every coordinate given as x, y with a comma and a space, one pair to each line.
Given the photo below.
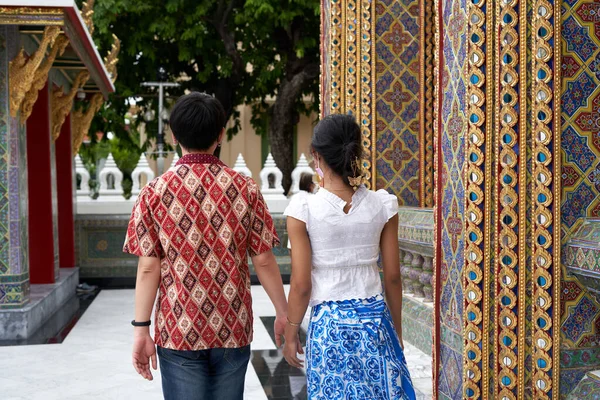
111, 200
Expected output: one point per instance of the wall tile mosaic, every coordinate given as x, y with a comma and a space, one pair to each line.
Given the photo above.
398, 33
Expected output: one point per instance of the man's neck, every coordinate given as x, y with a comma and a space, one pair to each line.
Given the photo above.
209, 152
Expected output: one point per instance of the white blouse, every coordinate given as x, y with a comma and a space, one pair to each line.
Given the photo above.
345, 247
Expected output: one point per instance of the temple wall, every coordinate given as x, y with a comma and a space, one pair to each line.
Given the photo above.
14, 267
580, 312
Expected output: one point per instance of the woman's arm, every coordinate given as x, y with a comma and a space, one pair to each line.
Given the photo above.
300, 288
392, 281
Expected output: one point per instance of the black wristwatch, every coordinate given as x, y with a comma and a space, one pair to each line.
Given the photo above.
134, 323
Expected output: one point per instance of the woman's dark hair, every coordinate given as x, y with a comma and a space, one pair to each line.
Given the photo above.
306, 181
196, 120
337, 139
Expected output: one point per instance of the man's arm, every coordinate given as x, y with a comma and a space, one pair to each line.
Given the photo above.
269, 276
146, 288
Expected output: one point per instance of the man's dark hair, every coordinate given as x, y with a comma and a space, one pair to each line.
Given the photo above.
306, 181
196, 120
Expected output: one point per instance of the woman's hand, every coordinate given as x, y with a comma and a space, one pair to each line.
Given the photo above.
144, 352
291, 349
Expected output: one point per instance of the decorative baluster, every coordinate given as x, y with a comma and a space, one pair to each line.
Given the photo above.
111, 169
301, 168
142, 168
426, 279
273, 195
241, 167
80, 169
415, 275
405, 271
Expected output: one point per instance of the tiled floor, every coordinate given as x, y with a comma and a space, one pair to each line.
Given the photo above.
93, 362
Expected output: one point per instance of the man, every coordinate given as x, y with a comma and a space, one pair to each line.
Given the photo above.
193, 229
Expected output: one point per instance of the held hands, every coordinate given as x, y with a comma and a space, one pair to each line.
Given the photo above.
292, 346
144, 351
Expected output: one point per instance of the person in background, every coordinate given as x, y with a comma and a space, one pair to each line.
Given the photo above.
306, 183
193, 229
354, 346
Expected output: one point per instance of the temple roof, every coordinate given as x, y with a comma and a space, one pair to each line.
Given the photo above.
33, 15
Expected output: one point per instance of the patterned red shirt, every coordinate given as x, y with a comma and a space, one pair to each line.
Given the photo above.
202, 219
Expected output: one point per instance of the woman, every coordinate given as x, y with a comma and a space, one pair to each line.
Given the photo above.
354, 340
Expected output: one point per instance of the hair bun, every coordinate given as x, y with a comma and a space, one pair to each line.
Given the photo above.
337, 138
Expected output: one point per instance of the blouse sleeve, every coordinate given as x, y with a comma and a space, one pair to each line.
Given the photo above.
298, 208
390, 203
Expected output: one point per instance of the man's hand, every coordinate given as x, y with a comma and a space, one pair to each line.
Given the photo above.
279, 327
144, 350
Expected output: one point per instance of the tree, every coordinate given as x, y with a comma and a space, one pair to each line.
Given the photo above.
243, 52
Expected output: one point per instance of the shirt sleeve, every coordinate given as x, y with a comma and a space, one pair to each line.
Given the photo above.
263, 236
390, 203
297, 209
142, 235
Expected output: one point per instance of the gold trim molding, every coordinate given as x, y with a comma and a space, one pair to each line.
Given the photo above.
31, 16
41, 76
62, 103
22, 70
82, 120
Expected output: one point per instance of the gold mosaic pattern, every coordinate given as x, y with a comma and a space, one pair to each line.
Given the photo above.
511, 218
546, 195
477, 247
350, 70
336, 62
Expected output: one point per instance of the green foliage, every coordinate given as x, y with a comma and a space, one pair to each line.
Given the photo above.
211, 42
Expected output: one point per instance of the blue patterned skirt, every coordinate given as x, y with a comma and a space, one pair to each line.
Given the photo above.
353, 353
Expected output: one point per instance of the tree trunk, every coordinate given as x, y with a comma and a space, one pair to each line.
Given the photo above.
284, 117
281, 138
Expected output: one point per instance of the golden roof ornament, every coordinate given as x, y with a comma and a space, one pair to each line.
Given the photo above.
22, 69
87, 12
82, 120
41, 76
112, 58
61, 103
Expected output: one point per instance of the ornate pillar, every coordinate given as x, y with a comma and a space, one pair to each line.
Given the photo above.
504, 128
42, 236
14, 265
66, 191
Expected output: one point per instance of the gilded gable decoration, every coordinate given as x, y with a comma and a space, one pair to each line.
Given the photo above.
22, 69
82, 119
41, 76
62, 103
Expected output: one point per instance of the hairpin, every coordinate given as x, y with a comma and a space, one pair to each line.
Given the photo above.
356, 180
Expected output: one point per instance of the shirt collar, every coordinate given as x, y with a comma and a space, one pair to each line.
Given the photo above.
337, 201
197, 158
